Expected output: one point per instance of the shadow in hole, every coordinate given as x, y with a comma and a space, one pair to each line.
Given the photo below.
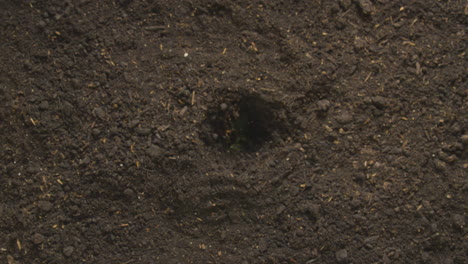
245, 125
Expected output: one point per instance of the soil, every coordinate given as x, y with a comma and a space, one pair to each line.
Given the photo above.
226, 131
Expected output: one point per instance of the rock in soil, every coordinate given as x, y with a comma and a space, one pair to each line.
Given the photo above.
366, 6
44, 105
342, 256
345, 4
96, 132
100, 113
143, 131
458, 221
45, 206
323, 105
310, 208
11, 260
464, 139
38, 238
68, 251
129, 193
154, 151
344, 118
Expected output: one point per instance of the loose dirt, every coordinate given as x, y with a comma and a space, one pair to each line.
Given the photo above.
233, 131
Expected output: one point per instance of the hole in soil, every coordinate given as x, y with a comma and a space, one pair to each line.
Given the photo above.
243, 124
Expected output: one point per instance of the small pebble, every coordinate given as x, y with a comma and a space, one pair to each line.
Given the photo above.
371, 240
425, 257
37, 239
114, 130
107, 228
44, 105
154, 151
143, 131
45, 205
323, 105
280, 209
222, 235
451, 159
464, 139
345, 4
129, 193
359, 43
96, 132
341, 256
377, 165
76, 83
448, 260
11, 259
458, 221
366, 6
355, 203
440, 165
41, 24
68, 251
300, 232
100, 113
28, 64
344, 118
133, 123
223, 106
310, 208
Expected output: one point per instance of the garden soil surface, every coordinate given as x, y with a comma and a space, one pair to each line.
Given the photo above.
225, 131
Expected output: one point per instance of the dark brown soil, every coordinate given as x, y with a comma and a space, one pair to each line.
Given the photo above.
218, 131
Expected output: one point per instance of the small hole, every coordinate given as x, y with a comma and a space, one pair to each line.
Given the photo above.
244, 124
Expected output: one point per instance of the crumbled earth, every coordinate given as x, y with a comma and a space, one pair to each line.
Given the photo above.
224, 131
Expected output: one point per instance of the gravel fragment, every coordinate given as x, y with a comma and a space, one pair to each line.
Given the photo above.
143, 131
344, 117
44, 105
323, 105
341, 256
280, 209
345, 4
310, 208
440, 165
96, 132
154, 151
68, 251
359, 42
100, 113
366, 6
11, 260
133, 123
107, 228
464, 139
28, 65
458, 221
129, 193
41, 24
38, 239
45, 205
75, 83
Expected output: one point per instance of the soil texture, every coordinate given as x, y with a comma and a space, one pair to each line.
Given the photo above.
221, 131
